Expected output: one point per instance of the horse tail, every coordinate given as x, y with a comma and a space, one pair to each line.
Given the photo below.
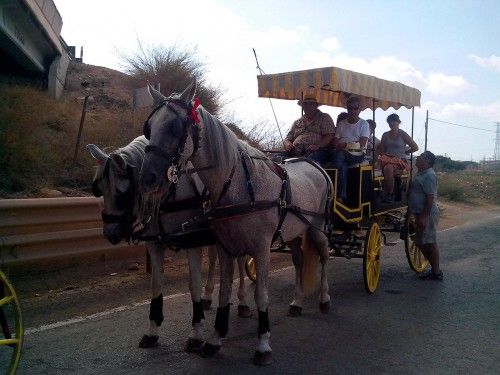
309, 264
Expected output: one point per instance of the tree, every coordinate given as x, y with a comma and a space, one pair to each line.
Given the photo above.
174, 70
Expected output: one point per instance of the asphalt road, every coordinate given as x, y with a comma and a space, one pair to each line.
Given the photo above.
408, 326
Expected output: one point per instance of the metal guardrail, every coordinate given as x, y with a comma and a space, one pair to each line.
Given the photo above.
46, 228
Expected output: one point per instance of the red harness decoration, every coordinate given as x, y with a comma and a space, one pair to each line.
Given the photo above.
193, 115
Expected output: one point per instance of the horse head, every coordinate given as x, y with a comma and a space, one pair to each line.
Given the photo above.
172, 131
115, 182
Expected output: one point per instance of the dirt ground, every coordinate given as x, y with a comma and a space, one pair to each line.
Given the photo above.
61, 294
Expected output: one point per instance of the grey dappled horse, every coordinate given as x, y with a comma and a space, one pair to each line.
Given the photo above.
116, 179
250, 200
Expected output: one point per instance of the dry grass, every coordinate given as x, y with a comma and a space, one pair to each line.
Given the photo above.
470, 186
38, 138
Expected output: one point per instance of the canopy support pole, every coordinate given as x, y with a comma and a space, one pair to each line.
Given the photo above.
270, 102
411, 155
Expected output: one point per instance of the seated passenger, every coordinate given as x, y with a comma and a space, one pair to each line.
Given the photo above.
351, 136
369, 145
393, 151
310, 134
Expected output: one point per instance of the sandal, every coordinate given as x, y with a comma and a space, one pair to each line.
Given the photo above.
429, 275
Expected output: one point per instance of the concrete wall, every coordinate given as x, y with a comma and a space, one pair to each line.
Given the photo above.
30, 35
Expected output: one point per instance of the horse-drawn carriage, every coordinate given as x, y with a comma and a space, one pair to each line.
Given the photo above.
358, 224
250, 197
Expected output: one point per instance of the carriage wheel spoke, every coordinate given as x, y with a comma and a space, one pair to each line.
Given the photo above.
10, 342
6, 300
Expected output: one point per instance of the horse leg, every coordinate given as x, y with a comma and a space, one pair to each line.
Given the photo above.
320, 242
295, 308
243, 309
263, 353
206, 300
156, 253
195, 340
214, 343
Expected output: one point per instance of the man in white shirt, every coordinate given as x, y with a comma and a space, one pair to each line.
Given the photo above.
351, 136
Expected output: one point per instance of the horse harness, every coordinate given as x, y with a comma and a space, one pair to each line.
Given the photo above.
201, 223
283, 203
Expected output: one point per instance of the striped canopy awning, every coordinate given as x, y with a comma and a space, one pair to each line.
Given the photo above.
332, 86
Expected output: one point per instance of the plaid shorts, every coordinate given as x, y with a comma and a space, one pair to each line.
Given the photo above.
428, 235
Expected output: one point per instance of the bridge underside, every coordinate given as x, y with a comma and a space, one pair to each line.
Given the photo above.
14, 62
30, 45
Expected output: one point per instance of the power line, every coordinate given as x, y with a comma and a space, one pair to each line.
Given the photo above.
463, 126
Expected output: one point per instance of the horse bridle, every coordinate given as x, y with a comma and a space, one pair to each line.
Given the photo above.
122, 202
187, 124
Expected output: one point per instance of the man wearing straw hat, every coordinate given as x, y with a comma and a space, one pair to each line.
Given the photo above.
310, 134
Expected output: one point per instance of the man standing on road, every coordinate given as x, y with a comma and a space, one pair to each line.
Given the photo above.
422, 203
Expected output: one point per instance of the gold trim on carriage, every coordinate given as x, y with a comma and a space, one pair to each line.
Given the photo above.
358, 224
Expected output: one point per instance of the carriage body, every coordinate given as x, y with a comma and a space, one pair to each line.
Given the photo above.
359, 224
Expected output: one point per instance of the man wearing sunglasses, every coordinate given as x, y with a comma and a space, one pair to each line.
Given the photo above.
351, 136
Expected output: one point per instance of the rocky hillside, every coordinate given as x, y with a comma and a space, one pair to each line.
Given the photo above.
109, 88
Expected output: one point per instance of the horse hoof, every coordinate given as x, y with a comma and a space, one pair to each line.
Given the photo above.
294, 310
148, 341
206, 303
262, 359
193, 345
324, 307
244, 311
209, 350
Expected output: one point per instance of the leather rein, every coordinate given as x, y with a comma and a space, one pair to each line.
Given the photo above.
217, 212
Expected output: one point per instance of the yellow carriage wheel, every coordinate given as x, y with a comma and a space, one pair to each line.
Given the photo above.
251, 269
10, 317
414, 255
371, 257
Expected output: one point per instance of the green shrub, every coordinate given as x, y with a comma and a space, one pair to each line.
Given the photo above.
452, 191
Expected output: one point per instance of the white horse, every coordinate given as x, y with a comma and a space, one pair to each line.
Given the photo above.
116, 180
251, 197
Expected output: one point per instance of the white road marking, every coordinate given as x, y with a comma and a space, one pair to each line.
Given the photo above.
64, 323
47, 327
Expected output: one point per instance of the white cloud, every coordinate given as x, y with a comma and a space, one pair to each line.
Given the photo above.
489, 112
482, 116
486, 62
441, 84
390, 68
331, 44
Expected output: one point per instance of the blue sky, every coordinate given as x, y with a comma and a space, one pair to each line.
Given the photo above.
449, 50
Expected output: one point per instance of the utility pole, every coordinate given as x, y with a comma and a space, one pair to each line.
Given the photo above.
426, 127
78, 138
496, 156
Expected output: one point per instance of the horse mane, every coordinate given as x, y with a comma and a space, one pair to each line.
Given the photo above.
224, 145
133, 153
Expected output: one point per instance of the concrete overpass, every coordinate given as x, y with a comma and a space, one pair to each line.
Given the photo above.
31, 43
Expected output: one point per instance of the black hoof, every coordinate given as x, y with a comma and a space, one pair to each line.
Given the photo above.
193, 345
262, 359
244, 311
294, 310
324, 307
209, 350
206, 303
148, 341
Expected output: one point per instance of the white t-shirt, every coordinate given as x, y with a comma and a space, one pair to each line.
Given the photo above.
350, 133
